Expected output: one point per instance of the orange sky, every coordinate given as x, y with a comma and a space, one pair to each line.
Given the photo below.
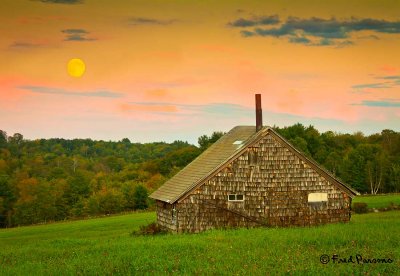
169, 70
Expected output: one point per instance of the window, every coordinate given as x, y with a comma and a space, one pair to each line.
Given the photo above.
317, 197
235, 197
318, 201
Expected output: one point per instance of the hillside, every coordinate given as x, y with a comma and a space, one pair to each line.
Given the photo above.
105, 246
57, 179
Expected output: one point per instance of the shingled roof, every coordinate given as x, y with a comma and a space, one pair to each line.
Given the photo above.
227, 148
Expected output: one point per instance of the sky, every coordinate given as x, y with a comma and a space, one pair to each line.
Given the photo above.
175, 70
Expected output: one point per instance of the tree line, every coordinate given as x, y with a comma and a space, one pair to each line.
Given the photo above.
56, 179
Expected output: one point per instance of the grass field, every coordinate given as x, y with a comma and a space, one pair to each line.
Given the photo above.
379, 201
105, 246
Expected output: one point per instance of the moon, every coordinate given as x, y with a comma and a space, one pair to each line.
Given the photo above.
76, 67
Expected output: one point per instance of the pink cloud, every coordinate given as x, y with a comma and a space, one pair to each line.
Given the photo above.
389, 69
148, 108
157, 93
218, 48
29, 20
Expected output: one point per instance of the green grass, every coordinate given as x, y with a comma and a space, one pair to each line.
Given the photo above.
378, 201
105, 246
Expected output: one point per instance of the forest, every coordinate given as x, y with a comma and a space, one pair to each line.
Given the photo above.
56, 179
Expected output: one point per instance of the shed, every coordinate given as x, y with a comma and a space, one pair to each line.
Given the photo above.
251, 177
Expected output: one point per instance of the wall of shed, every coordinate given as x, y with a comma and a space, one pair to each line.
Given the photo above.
164, 215
275, 184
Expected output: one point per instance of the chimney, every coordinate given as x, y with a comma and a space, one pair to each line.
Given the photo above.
259, 123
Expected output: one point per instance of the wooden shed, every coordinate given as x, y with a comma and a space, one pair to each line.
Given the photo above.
251, 177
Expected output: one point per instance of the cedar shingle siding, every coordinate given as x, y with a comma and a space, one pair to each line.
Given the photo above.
274, 179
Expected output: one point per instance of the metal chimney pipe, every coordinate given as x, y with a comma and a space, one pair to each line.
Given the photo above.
259, 122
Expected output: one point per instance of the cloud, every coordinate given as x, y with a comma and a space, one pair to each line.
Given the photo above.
255, 21
68, 2
24, 45
75, 31
388, 69
76, 35
150, 21
225, 109
308, 31
218, 109
344, 43
246, 33
389, 82
301, 40
32, 19
60, 91
180, 82
390, 78
153, 108
371, 85
374, 37
157, 93
383, 103
381, 26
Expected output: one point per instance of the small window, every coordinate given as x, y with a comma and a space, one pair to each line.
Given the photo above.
317, 197
235, 197
238, 142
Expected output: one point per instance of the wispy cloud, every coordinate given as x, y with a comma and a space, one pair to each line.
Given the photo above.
389, 77
383, 103
371, 85
153, 108
24, 45
308, 31
373, 37
150, 21
388, 69
34, 20
77, 35
220, 109
60, 91
389, 82
68, 2
179, 82
301, 40
255, 21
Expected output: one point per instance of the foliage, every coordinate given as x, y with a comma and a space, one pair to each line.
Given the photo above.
140, 198
379, 201
206, 141
150, 229
360, 207
57, 179
104, 246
